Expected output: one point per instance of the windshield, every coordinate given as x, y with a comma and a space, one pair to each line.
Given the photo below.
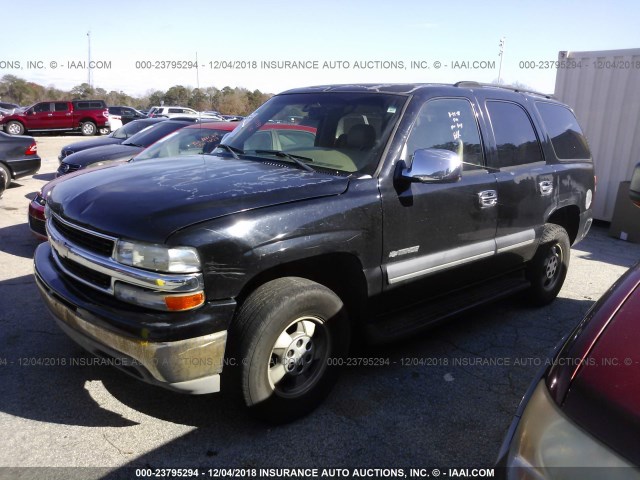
344, 132
187, 141
131, 129
152, 134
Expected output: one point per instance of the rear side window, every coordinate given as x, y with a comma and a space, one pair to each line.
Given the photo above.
88, 105
515, 136
61, 106
566, 135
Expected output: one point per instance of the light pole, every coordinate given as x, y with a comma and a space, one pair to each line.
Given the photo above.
501, 44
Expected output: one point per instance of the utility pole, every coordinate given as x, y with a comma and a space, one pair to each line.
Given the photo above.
89, 61
501, 44
197, 73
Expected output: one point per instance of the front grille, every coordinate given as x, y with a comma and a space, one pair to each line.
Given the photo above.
88, 275
86, 240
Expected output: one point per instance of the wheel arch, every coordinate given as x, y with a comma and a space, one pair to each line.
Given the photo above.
88, 119
24, 126
7, 167
340, 272
568, 217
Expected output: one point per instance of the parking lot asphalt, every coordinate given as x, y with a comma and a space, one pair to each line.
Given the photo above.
444, 400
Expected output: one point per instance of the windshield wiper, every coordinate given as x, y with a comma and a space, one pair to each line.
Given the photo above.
134, 145
231, 150
293, 158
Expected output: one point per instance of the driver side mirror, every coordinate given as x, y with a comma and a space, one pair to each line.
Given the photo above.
634, 187
431, 165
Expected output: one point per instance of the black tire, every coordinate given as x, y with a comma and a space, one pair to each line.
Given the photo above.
285, 341
14, 128
548, 268
88, 128
6, 175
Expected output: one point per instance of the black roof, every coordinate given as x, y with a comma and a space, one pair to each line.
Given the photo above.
413, 88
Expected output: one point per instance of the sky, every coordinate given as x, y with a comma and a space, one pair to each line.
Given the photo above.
247, 43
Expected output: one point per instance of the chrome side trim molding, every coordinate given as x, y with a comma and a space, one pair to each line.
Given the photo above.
435, 262
515, 240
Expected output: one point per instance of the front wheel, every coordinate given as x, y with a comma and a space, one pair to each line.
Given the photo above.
288, 340
548, 268
88, 128
14, 128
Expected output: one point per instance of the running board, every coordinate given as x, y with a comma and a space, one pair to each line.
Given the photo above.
401, 323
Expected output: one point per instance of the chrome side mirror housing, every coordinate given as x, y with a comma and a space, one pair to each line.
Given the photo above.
430, 165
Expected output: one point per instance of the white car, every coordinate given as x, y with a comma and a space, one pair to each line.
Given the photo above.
115, 122
172, 112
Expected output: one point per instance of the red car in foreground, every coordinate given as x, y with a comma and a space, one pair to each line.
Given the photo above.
583, 411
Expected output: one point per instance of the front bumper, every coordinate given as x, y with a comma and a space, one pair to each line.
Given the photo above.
26, 166
186, 356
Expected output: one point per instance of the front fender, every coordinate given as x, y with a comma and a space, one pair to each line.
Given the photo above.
237, 248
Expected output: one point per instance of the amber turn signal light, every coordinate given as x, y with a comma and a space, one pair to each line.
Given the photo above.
184, 302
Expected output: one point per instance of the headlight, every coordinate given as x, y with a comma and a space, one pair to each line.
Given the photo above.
158, 257
546, 439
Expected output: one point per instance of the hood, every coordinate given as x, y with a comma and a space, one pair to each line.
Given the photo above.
150, 200
96, 142
98, 154
604, 397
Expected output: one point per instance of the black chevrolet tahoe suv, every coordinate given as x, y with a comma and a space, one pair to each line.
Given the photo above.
381, 210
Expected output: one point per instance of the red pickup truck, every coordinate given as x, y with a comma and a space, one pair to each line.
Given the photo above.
87, 116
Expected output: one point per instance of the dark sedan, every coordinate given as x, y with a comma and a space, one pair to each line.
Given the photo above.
127, 114
18, 157
9, 106
114, 138
583, 410
126, 150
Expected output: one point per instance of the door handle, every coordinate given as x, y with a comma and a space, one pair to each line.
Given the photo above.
487, 198
49, 114
546, 187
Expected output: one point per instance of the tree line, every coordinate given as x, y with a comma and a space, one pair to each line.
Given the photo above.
228, 101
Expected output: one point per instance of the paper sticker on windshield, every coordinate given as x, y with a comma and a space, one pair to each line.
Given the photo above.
391, 110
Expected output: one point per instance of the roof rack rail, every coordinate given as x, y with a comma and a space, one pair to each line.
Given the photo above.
471, 84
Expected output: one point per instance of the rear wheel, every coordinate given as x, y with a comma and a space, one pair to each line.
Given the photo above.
286, 340
88, 128
14, 128
6, 176
548, 268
